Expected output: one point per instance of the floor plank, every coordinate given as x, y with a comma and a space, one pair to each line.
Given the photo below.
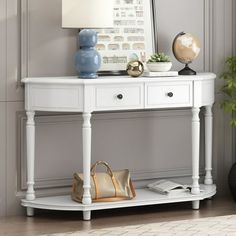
46, 222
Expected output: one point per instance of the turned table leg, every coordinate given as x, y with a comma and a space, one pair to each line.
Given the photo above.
195, 149
195, 154
30, 140
86, 162
208, 145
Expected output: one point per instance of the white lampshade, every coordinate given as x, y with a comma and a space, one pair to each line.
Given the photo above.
87, 13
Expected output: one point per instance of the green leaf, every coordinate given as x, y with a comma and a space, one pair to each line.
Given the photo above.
229, 106
159, 57
233, 122
231, 63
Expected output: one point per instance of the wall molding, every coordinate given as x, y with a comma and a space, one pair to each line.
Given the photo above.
233, 54
3, 159
3, 47
229, 32
234, 27
25, 34
208, 35
65, 181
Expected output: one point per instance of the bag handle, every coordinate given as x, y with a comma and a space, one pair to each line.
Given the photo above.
109, 171
94, 166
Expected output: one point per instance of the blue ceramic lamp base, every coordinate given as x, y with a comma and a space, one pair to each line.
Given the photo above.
87, 59
87, 75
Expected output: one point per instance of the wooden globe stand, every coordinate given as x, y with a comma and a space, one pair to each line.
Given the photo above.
187, 71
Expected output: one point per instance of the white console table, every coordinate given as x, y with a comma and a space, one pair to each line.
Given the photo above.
70, 94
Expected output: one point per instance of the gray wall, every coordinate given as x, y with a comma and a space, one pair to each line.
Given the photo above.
147, 143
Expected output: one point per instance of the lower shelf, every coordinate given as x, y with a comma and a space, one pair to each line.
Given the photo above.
144, 197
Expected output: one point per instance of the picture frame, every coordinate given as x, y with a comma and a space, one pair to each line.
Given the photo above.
133, 37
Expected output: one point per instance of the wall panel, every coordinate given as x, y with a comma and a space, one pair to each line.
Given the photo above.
12, 149
183, 15
47, 49
2, 158
3, 52
14, 88
140, 141
223, 45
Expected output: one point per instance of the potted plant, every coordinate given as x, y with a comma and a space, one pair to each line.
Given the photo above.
159, 62
229, 106
229, 88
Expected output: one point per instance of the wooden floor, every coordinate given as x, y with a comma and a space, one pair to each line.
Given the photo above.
59, 222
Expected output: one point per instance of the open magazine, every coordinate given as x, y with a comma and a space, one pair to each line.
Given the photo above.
168, 187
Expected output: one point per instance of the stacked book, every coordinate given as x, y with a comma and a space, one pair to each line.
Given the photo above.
160, 74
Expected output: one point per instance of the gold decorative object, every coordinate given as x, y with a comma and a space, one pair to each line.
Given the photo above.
135, 68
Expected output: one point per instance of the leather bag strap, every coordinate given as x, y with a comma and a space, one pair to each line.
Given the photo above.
109, 171
95, 186
132, 188
94, 166
116, 186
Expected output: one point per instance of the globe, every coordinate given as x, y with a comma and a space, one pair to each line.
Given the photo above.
186, 49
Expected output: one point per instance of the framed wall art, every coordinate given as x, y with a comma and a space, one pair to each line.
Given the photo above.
134, 35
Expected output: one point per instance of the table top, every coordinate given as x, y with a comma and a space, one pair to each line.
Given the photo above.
114, 79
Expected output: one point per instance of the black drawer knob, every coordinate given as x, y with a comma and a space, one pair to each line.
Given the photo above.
170, 94
120, 96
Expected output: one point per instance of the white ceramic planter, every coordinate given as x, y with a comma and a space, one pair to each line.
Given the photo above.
159, 66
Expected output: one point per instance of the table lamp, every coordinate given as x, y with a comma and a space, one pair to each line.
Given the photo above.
87, 15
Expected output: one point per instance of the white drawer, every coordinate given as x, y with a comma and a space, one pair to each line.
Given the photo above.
119, 97
55, 98
171, 94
